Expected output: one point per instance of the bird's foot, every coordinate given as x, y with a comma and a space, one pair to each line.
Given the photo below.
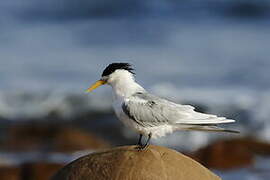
142, 147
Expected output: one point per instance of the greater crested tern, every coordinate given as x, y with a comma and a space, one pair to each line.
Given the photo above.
147, 114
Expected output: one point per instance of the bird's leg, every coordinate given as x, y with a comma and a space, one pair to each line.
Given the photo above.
147, 142
140, 140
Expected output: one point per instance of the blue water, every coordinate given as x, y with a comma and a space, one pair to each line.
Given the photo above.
215, 54
44, 46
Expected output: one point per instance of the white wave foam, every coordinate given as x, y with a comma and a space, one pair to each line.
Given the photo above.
37, 105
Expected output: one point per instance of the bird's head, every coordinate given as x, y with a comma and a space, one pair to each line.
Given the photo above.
113, 73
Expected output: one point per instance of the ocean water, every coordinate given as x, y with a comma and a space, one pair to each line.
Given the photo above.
214, 55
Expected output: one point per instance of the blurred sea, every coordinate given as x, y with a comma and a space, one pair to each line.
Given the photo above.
213, 55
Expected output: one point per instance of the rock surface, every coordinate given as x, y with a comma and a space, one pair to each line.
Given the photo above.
128, 163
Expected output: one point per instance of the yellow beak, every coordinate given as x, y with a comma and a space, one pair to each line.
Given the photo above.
96, 85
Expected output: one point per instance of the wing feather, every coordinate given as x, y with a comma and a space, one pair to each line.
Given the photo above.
150, 110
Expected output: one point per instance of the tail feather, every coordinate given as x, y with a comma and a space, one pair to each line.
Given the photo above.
207, 128
215, 120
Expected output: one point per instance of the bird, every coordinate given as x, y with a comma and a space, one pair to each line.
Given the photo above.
147, 114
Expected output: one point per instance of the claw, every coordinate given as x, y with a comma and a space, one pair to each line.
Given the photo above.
144, 146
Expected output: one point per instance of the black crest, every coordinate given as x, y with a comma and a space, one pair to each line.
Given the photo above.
114, 66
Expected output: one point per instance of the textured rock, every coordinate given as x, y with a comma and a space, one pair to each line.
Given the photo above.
128, 163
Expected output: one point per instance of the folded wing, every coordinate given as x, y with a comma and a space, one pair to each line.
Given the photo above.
149, 110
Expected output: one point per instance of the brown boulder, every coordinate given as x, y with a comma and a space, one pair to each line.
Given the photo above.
39, 170
36, 137
232, 153
10, 173
128, 163
69, 140
30, 171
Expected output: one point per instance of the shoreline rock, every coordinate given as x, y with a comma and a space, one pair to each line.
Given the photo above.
231, 153
128, 163
50, 138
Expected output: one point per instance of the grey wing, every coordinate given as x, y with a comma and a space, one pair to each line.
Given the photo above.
149, 110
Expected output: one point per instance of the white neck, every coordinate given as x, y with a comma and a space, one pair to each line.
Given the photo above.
123, 84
